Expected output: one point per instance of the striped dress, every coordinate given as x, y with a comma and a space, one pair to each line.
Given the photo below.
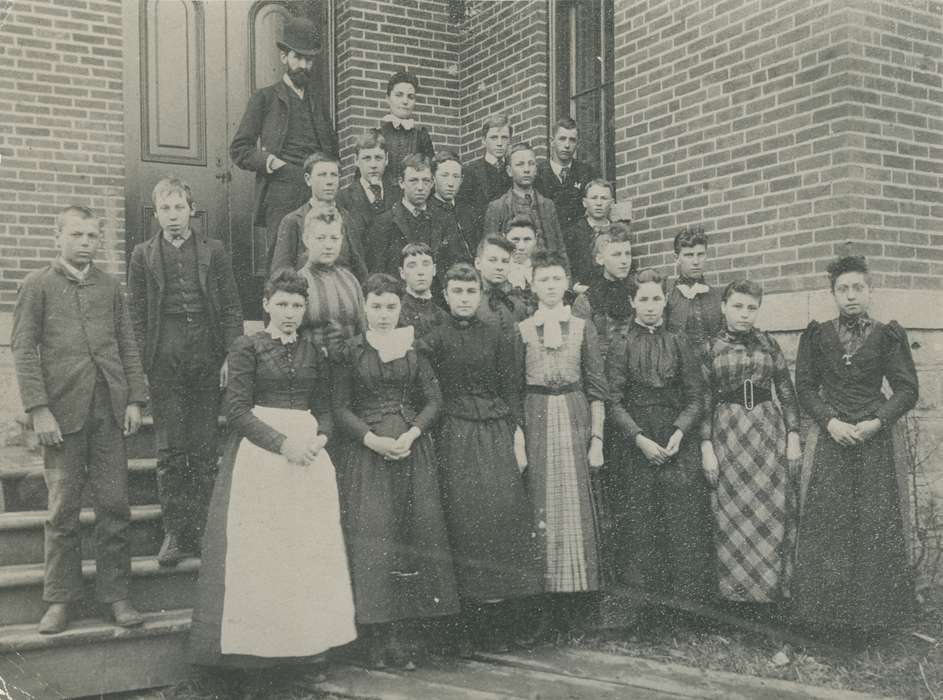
756, 504
335, 300
560, 384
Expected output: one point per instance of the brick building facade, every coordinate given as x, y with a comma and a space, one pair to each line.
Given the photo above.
793, 130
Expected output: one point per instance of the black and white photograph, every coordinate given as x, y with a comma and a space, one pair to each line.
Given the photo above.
471, 349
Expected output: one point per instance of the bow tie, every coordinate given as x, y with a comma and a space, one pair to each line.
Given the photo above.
855, 324
405, 124
691, 288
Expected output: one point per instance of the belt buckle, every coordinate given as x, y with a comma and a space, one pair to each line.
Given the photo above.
748, 394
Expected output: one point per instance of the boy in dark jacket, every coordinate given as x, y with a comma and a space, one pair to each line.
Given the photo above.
185, 309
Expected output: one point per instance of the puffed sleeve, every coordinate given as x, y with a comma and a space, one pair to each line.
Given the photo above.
617, 378
240, 394
707, 375
431, 392
342, 390
809, 376
901, 374
582, 307
694, 388
785, 390
594, 373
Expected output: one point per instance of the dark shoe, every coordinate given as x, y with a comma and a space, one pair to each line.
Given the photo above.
171, 551
124, 615
55, 619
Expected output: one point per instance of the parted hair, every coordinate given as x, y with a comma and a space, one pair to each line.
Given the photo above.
370, 138
171, 184
416, 161
284, 279
502, 243
319, 157
381, 283
547, 258
444, 156
411, 249
848, 263
402, 77
496, 121
649, 274
690, 237
744, 286
462, 272
565, 123
616, 233
520, 221
84, 213
598, 182
520, 146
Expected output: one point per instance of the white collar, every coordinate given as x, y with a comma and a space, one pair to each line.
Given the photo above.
691, 291
556, 166
520, 274
74, 271
393, 345
407, 124
365, 183
291, 86
283, 338
410, 208
600, 226
426, 296
177, 241
490, 159
551, 319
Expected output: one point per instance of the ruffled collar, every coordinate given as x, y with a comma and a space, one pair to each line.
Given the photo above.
405, 124
520, 274
690, 287
551, 319
393, 345
280, 336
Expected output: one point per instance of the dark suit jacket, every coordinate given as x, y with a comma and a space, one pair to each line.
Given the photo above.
580, 239
482, 183
146, 288
567, 198
66, 331
262, 132
396, 227
290, 250
501, 211
460, 240
698, 319
359, 213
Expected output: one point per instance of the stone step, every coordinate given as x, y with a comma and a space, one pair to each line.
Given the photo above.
23, 488
94, 657
21, 534
153, 588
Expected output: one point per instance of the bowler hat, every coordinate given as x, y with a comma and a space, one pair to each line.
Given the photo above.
301, 36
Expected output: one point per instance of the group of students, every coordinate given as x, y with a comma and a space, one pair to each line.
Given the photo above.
417, 432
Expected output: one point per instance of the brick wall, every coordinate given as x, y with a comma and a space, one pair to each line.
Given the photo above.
377, 38
504, 69
61, 128
793, 130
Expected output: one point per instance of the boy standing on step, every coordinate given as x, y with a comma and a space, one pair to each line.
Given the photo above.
81, 382
186, 312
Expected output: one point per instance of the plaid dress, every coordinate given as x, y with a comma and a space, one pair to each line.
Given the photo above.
756, 503
557, 430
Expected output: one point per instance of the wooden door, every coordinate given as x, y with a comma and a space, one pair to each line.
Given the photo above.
190, 69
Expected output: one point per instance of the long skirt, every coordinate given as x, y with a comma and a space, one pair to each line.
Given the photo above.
401, 566
557, 434
273, 583
756, 506
488, 511
852, 569
661, 516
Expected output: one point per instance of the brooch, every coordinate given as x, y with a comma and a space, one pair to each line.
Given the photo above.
847, 358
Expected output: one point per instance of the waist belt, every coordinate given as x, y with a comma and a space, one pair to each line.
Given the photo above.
553, 390
748, 395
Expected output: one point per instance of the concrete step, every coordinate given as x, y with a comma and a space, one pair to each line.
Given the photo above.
21, 534
153, 588
94, 657
22, 487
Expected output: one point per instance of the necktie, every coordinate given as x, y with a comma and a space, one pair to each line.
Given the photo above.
377, 192
564, 174
529, 199
500, 166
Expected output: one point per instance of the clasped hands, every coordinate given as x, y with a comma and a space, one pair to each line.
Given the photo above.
655, 453
392, 449
847, 434
303, 450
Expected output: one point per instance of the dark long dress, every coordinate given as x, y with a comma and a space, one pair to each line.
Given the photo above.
852, 569
399, 144
261, 503
756, 508
487, 507
393, 521
662, 513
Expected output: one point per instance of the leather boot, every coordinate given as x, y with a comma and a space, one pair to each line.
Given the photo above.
172, 550
124, 615
55, 619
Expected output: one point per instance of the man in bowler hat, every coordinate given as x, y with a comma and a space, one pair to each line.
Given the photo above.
284, 123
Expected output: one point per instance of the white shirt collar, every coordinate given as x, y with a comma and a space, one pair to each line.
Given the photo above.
426, 295
365, 183
283, 338
490, 159
607, 224
179, 240
410, 208
406, 124
291, 86
74, 271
